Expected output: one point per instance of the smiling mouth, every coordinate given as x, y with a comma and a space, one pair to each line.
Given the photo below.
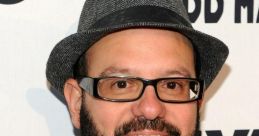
147, 133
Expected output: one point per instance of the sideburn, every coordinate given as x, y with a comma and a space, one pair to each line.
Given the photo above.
88, 128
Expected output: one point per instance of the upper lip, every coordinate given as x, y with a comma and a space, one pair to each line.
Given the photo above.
147, 133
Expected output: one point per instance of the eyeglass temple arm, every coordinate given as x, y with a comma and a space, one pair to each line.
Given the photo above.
88, 85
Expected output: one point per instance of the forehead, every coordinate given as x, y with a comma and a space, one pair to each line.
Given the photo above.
136, 51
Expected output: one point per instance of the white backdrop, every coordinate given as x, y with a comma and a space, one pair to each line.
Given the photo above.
30, 29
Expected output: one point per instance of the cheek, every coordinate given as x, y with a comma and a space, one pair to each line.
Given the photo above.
108, 115
183, 116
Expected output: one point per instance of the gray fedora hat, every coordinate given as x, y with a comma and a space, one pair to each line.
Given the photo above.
102, 17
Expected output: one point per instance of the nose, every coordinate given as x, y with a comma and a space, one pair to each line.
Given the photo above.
149, 106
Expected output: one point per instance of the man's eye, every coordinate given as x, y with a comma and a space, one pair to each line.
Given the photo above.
121, 84
171, 85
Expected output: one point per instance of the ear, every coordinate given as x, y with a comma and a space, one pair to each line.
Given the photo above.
73, 95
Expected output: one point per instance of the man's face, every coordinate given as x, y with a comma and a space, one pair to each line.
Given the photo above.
145, 53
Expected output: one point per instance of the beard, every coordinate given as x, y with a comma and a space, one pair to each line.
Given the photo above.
88, 127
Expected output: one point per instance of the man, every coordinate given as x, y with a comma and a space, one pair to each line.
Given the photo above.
135, 67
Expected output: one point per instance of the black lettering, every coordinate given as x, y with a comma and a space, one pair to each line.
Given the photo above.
10, 1
257, 20
214, 133
256, 131
197, 10
213, 17
241, 132
249, 4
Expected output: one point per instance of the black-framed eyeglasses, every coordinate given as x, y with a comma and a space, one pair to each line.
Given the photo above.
127, 89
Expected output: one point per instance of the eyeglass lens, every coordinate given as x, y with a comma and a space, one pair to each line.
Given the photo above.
169, 89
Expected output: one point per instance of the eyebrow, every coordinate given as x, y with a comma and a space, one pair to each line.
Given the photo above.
114, 71
183, 72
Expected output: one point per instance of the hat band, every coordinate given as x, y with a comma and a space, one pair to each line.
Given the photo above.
141, 14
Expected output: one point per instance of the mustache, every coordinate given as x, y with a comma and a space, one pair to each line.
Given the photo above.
142, 124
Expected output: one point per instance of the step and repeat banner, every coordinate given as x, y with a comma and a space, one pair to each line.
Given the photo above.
29, 29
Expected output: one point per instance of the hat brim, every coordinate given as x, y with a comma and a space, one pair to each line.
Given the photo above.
211, 53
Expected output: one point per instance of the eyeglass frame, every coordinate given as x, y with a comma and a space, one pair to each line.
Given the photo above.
91, 86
